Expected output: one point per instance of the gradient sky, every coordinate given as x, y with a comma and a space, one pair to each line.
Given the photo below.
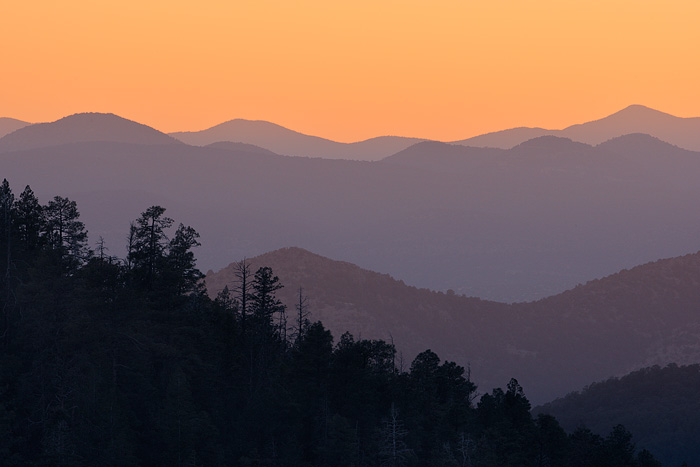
350, 70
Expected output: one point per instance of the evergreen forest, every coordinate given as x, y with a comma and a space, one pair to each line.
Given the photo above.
126, 361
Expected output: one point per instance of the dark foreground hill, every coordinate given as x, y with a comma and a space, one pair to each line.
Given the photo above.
643, 316
109, 362
660, 406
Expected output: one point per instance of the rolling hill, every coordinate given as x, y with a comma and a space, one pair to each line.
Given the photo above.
85, 127
635, 318
8, 125
281, 140
659, 405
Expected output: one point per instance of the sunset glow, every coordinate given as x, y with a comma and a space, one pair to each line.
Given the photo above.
346, 70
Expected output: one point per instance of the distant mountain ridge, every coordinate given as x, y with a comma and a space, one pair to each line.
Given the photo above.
287, 142
8, 125
635, 318
83, 127
240, 147
682, 132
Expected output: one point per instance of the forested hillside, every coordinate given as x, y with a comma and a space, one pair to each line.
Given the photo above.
659, 405
635, 318
126, 361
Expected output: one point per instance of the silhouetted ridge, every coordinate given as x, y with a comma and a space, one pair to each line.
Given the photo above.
440, 155
84, 127
550, 143
634, 318
504, 139
425, 147
8, 125
634, 142
281, 140
658, 404
240, 147
682, 132
639, 112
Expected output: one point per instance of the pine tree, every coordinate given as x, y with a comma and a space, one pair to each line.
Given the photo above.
181, 261
6, 202
29, 219
148, 245
264, 302
64, 232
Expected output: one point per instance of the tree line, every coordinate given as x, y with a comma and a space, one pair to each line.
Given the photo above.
127, 361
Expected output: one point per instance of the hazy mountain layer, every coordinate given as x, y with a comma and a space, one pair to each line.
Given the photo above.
240, 147
291, 143
8, 125
83, 128
682, 132
635, 318
507, 225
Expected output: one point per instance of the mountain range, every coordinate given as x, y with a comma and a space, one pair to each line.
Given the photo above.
291, 143
507, 225
682, 132
607, 327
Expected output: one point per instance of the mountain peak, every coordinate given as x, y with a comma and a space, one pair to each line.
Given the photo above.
83, 127
638, 108
639, 111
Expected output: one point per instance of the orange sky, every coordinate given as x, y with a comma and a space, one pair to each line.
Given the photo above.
349, 70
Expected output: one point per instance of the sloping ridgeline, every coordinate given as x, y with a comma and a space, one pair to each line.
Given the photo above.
659, 405
607, 327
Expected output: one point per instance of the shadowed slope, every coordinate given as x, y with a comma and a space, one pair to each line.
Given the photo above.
658, 405
646, 315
